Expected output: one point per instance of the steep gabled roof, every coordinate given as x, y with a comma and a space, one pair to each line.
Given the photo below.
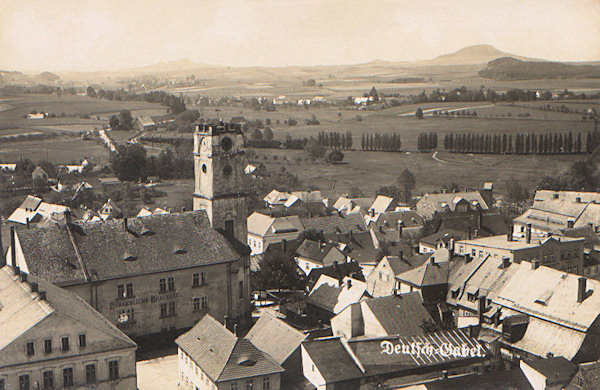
21, 310
401, 314
221, 355
273, 336
315, 250
382, 204
430, 273
336, 223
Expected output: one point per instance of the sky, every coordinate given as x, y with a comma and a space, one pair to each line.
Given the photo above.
93, 35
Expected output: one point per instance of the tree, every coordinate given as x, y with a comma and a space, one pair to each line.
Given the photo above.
277, 270
256, 135
335, 156
114, 122
407, 183
515, 192
374, 94
91, 92
419, 113
314, 148
268, 134
129, 162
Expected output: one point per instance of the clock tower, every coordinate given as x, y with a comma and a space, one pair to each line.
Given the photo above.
219, 177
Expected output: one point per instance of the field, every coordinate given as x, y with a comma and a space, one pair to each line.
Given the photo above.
59, 150
370, 170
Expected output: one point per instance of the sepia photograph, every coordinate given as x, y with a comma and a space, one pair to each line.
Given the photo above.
299, 195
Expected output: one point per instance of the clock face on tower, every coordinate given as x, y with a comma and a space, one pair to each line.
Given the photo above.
204, 145
226, 144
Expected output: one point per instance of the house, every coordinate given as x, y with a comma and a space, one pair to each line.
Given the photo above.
276, 198
314, 254
147, 275
329, 297
145, 212
444, 238
531, 311
548, 215
396, 224
211, 357
51, 339
110, 210
39, 175
402, 314
250, 169
568, 196
144, 123
564, 253
347, 205
337, 271
74, 168
280, 341
343, 224
37, 115
365, 363
264, 230
451, 202
382, 204
280, 100
382, 280
33, 210
430, 279
478, 224
361, 248
8, 167
548, 373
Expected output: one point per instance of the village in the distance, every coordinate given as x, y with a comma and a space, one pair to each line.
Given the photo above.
422, 225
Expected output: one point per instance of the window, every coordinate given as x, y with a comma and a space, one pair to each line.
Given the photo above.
203, 278
30, 349
82, 340
196, 304
204, 303
2, 384
172, 309
234, 386
68, 377
48, 346
196, 280
473, 252
65, 343
266, 383
120, 291
113, 370
163, 285
241, 289
249, 384
229, 230
90, 374
129, 288
163, 310
126, 316
24, 382
171, 283
48, 377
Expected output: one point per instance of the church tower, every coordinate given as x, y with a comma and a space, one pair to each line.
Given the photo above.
219, 175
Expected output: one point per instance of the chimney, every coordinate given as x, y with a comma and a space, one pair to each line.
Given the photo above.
581, 290
23, 276
372, 212
284, 245
42, 295
432, 260
349, 283
467, 258
226, 321
13, 247
479, 219
511, 231
570, 224
400, 228
578, 200
125, 224
34, 287
505, 262
535, 264
481, 309
528, 234
27, 222
68, 217
183, 209
235, 329
350, 234
469, 233
401, 254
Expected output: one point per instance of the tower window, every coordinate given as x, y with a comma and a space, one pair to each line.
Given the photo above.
227, 170
229, 230
203, 168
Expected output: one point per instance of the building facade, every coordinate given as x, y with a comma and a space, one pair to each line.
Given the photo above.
219, 173
52, 339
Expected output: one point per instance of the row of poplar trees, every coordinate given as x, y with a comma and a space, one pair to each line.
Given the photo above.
335, 139
381, 142
427, 142
531, 143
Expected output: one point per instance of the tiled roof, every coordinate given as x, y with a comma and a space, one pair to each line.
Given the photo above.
401, 314
314, 250
502, 380
221, 355
338, 271
428, 274
360, 247
273, 336
390, 219
405, 263
100, 246
571, 196
263, 225
557, 370
328, 294
382, 204
332, 359
429, 204
336, 223
443, 235
590, 373
22, 310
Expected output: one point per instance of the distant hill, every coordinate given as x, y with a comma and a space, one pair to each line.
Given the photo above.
478, 54
48, 76
508, 68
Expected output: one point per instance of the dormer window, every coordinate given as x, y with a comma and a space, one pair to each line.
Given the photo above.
127, 256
